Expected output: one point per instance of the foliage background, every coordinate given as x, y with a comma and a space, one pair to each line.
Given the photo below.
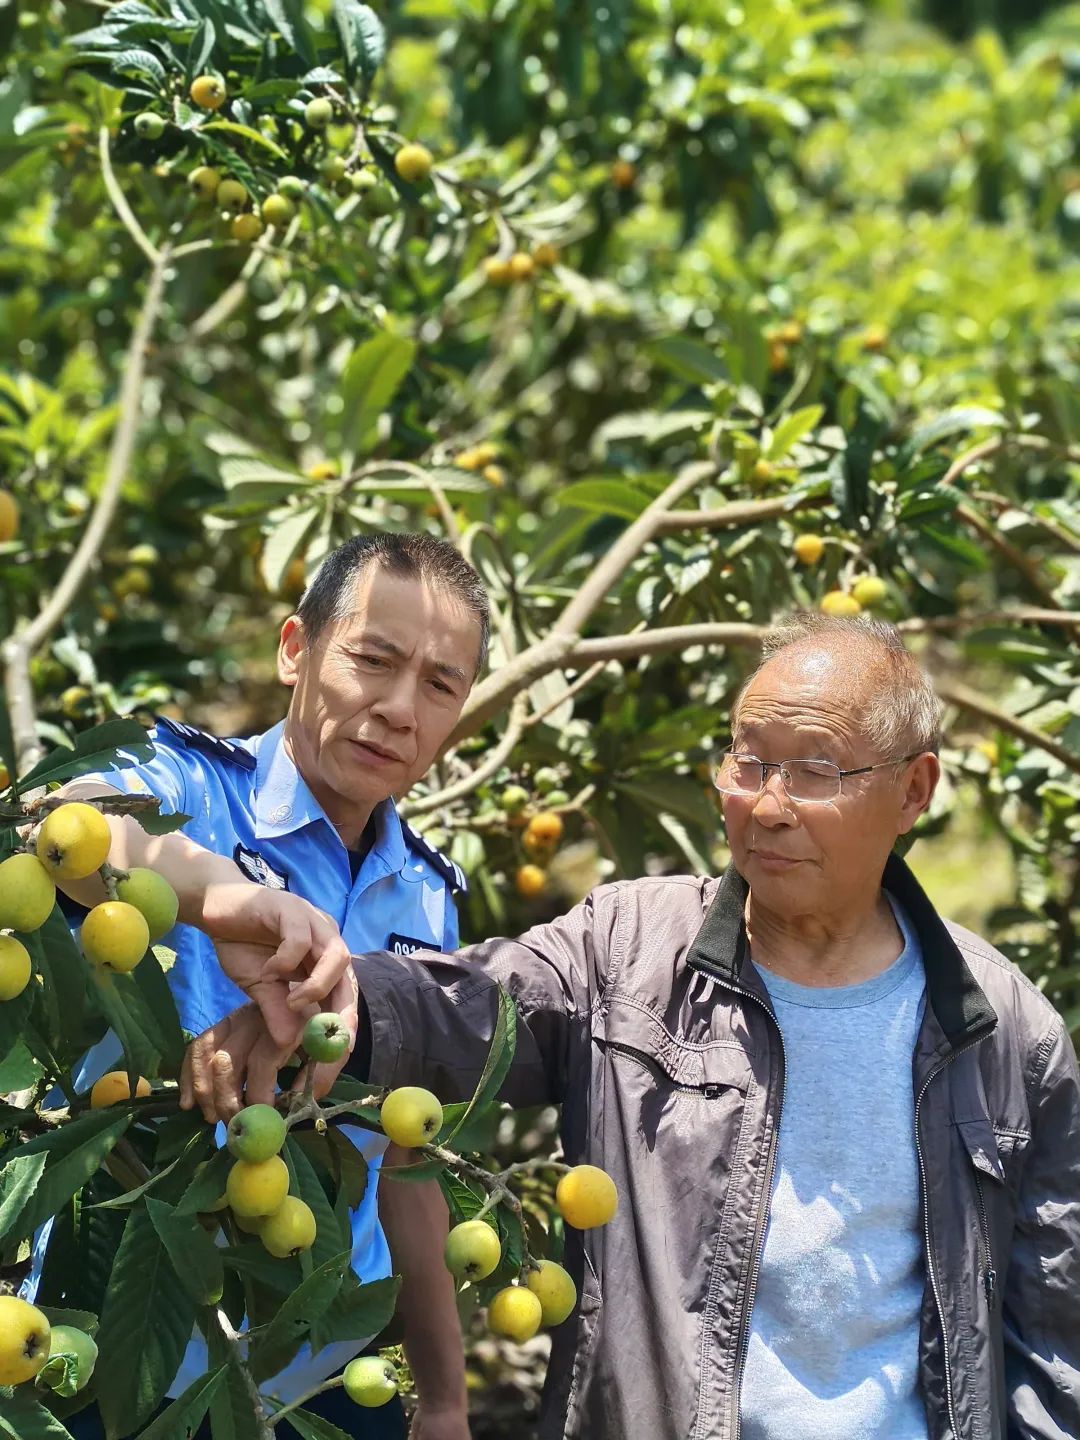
845, 244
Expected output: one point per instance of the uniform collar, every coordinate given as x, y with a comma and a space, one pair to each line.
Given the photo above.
283, 802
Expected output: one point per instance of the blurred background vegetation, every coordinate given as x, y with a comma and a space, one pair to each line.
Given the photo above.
825, 252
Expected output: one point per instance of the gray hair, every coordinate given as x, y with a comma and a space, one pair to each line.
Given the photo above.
902, 714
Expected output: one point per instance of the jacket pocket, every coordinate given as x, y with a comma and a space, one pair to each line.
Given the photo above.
988, 1176
631, 1034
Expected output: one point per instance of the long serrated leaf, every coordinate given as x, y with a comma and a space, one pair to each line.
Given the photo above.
146, 1323
195, 1257
499, 1057
94, 749
208, 1186
313, 1427
792, 429
59, 962
73, 1153
184, 1416
18, 1180
118, 998
160, 1007
360, 1312
278, 1343
330, 1238
200, 50
25, 1418
373, 374
284, 543
606, 497
952, 422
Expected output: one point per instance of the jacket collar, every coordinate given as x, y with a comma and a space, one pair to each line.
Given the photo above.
959, 1004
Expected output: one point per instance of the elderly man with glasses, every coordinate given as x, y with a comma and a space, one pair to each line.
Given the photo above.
845, 1133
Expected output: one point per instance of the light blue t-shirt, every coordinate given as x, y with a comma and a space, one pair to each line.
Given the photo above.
834, 1335
248, 801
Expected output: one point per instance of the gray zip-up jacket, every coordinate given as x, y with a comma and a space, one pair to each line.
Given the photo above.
640, 1014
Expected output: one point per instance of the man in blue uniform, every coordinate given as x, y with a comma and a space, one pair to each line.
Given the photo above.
294, 841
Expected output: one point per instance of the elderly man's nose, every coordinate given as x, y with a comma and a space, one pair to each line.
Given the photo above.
772, 804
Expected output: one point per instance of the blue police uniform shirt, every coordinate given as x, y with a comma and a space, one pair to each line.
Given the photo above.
247, 801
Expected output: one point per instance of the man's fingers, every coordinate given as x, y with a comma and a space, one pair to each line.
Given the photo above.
197, 1080
279, 1016
227, 1091
334, 963
264, 1062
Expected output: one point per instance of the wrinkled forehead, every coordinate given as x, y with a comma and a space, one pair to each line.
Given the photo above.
816, 692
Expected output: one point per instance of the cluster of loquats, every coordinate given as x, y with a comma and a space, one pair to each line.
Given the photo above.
248, 215
504, 269
540, 824
58, 1357
72, 843
545, 1293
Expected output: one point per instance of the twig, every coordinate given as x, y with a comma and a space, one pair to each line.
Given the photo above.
1020, 562
120, 204
738, 513
571, 690
673, 637
957, 694
493, 693
331, 1384
263, 1426
16, 651
495, 758
233, 295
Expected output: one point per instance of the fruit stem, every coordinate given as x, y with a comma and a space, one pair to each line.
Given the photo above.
331, 1384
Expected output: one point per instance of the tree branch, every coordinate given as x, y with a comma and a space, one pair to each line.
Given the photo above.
671, 637
739, 512
16, 652
120, 204
490, 696
1020, 562
957, 694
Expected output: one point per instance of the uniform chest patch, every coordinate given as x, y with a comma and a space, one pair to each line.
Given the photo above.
409, 944
256, 868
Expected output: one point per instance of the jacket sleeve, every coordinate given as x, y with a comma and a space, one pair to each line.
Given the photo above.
1042, 1297
430, 1017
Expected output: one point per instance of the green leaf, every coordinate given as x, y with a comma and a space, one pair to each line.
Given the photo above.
94, 749
314, 1427
792, 429
288, 17
283, 544
247, 133
208, 1185
184, 1416
159, 1009
253, 1260
688, 359
59, 962
331, 1237
499, 1058
195, 1257
83, 1320
606, 497
372, 377
146, 1323
463, 1202
139, 62
19, 1070
73, 1152
18, 1180
360, 1312
279, 1342
953, 422
363, 39
200, 50
25, 1418
121, 1002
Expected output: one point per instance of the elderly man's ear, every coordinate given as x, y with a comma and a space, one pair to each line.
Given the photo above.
919, 783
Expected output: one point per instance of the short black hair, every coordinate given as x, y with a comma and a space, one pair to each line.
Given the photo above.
418, 556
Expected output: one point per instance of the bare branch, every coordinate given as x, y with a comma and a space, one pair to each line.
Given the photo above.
671, 637
739, 512
16, 652
957, 694
1020, 562
120, 204
233, 296
972, 619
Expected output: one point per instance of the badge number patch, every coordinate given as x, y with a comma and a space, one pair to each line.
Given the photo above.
256, 868
409, 944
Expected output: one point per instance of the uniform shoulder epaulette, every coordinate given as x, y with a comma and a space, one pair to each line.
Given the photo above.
192, 739
451, 872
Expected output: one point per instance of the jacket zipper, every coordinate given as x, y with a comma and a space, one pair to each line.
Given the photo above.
949, 1397
989, 1273
761, 1221
710, 1090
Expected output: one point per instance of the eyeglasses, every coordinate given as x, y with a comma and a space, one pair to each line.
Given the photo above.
813, 782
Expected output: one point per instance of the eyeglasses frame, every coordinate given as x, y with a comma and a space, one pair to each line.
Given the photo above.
767, 765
